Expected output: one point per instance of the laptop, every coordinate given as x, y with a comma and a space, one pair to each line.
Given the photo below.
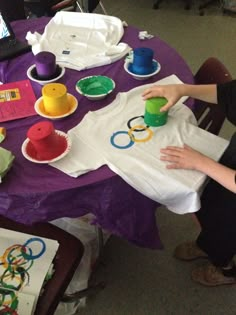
10, 46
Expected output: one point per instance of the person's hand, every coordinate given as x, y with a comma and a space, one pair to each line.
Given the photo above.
182, 157
171, 92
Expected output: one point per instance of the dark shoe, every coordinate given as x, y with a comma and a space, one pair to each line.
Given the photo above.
189, 251
211, 276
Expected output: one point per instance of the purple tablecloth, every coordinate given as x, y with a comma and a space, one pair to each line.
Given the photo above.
38, 192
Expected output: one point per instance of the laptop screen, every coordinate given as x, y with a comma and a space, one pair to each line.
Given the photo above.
9, 45
6, 31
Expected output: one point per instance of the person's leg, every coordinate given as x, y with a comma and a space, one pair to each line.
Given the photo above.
217, 238
217, 216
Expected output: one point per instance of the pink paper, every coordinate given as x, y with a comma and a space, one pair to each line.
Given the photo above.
16, 100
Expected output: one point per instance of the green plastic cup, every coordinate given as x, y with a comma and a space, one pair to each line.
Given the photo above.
153, 117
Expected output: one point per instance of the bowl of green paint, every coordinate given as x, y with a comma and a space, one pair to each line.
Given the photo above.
95, 87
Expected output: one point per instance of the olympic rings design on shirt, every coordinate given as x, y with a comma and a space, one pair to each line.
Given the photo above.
131, 142
131, 119
132, 138
140, 127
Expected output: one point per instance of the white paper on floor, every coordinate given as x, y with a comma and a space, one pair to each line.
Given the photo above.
87, 234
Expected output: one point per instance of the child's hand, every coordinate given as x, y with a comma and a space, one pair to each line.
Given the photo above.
182, 157
171, 92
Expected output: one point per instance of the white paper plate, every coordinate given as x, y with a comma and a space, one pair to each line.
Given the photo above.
139, 76
31, 70
34, 160
87, 87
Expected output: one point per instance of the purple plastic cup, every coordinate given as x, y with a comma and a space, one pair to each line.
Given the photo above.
45, 63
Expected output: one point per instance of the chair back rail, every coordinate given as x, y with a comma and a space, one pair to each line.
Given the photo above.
210, 116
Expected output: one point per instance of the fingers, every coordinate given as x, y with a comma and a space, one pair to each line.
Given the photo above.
156, 91
170, 158
173, 155
187, 147
149, 93
174, 161
172, 150
167, 106
174, 166
179, 157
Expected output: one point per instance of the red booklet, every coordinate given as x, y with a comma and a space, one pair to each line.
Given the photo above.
16, 100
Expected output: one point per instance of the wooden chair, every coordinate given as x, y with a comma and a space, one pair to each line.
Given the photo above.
210, 117
67, 259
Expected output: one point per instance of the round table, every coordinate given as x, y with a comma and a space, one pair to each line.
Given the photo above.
37, 192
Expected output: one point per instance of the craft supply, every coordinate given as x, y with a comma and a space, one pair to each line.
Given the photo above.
17, 100
6, 160
144, 35
153, 116
45, 143
45, 63
55, 99
128, 66
142, 61
2, 134
33, 76
95, 87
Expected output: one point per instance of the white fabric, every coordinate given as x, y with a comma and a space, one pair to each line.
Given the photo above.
81, 40
140, 165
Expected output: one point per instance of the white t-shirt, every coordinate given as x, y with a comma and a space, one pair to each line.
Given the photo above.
81, 40
102, 138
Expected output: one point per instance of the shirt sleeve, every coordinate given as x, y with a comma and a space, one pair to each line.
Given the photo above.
81, 159
226, 96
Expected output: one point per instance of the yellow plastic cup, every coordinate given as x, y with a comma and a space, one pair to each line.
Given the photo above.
55, 99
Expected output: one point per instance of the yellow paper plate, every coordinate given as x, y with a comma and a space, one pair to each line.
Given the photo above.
39, 107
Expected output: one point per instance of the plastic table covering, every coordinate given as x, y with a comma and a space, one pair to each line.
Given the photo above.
33, 192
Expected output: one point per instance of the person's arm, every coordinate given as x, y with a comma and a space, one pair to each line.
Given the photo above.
226, 95
188, 158
174, 92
